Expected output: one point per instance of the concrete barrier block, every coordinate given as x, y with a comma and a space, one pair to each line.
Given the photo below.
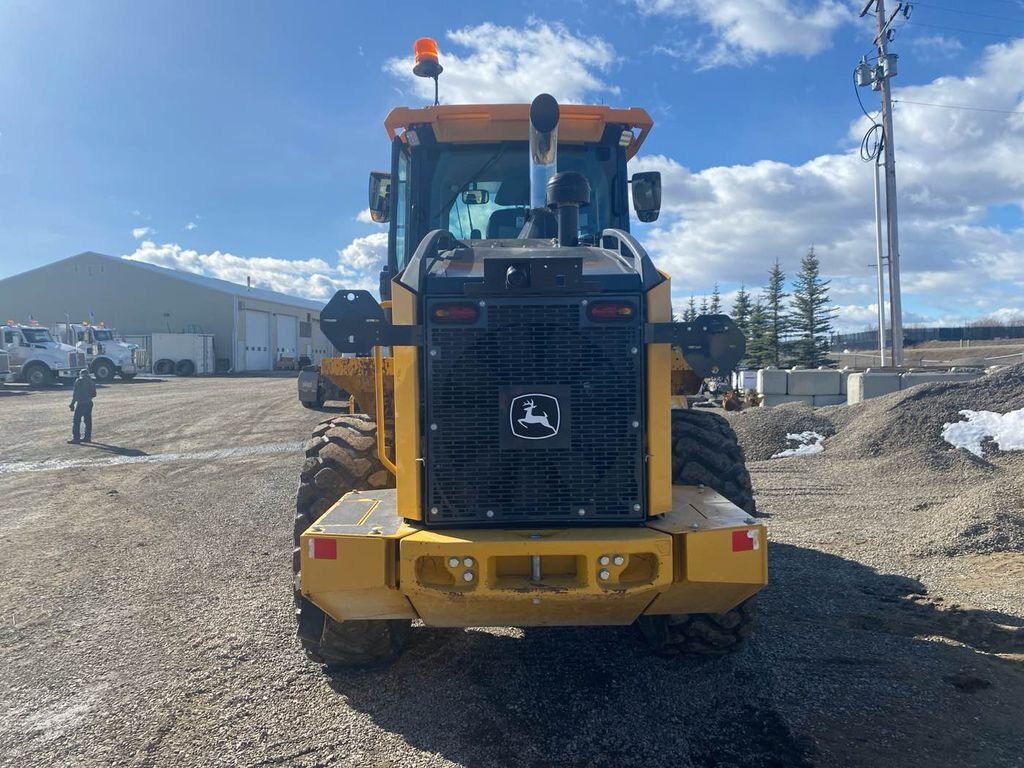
843, 376
864, 386
820, 400
744, 380
921, 377
769, 400
809, 382
772, 381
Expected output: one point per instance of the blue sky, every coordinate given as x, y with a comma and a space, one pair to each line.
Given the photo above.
235, 138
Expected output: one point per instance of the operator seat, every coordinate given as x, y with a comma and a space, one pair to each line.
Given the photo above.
506, 223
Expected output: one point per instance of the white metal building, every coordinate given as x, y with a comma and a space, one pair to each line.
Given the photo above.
253, 328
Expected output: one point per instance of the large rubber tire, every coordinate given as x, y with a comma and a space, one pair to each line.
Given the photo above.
103, 370
705, 452
185, 368
163, 367
37, 375
341, 457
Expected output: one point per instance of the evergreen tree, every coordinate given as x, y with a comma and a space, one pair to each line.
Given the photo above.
703, 305
811, 319
759, 347
715, 307
690, 313
775, 309
741, 310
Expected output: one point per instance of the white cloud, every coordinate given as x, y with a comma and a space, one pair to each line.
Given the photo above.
729, 223
358, 266
936, 46
191, 225
746, 30
140, 232
360, 262
508, 64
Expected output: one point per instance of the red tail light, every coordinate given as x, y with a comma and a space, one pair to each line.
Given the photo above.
455, 313
611, 311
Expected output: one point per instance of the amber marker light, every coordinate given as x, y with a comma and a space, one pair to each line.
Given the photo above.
456, 313
611, 310
427, 63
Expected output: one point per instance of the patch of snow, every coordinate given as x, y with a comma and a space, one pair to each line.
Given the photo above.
1005, 429
806, 444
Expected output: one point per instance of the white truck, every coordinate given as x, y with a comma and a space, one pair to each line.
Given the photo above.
106, 355
38, 358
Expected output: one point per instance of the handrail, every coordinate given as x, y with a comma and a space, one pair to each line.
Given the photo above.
378, 381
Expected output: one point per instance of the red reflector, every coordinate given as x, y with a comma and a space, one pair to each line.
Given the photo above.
611, 310
745, 540
323, 549
456, 313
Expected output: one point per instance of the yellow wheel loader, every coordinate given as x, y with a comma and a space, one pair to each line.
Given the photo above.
518, 459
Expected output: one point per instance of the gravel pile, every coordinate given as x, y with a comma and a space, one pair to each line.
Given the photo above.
911, 422
908, 422
968, 504
762, 431
986, 517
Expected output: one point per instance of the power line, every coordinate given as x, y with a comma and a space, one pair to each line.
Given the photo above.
959, 106
965, 31
1018, 20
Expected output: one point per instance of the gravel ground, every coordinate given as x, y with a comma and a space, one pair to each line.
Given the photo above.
145, 588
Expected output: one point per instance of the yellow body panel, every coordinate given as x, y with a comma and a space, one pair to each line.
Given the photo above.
356, 376
683, 562
362, 581
501, 592
407, 410
473, 123
659, 405
708, 572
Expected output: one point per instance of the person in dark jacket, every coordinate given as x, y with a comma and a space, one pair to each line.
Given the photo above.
81, 404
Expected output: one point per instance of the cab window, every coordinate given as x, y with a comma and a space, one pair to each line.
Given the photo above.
502, 172
400, 217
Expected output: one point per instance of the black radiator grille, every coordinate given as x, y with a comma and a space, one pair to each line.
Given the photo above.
538, 345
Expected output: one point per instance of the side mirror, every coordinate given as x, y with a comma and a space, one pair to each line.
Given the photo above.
380, 197
475, 196
647, 195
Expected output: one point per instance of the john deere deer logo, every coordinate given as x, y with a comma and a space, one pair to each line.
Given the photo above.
534, 416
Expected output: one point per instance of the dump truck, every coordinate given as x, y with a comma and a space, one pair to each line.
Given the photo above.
106, 354
38, 359
520, 461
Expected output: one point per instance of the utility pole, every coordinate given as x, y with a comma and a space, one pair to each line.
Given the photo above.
886, 70
879, 265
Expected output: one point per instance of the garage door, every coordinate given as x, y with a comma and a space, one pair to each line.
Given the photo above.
287, 336
257, 341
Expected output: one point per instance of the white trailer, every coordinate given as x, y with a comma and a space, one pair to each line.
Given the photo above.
38, 358
106, 354
183, 354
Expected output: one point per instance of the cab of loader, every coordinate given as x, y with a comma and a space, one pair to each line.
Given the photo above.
521, 463
465, 170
